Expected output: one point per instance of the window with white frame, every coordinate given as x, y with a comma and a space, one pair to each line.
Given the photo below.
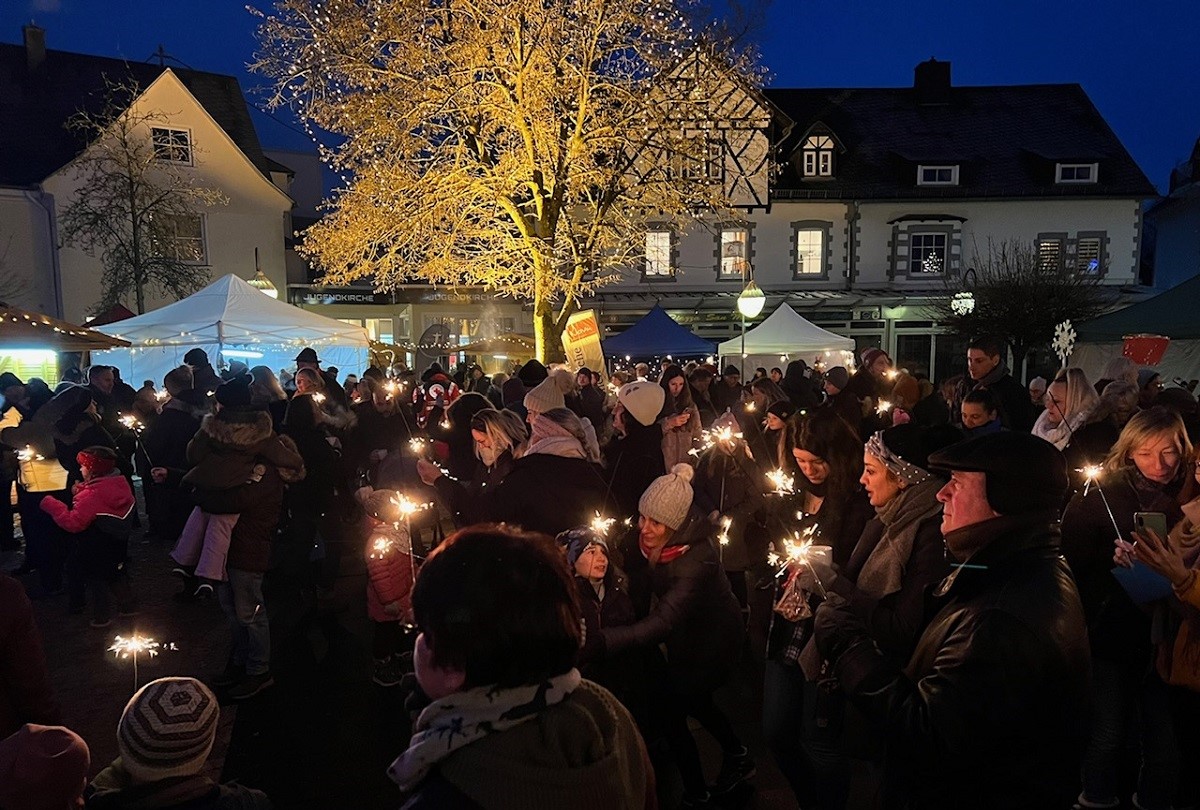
735, 252
183, 238
171, 145
810, 251
658, 254
818, 156
927, 253
937, 175
1089, 257
1075, 172
1050, 253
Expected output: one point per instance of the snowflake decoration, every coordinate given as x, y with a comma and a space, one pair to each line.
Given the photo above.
1064, 341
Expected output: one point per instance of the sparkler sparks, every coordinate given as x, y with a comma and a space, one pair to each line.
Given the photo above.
408, 506
131, 422
798, 550
784, 484
318, 397
29, 454
602, 525
725, 436
723, 537
130, 647
380, 546
883, 407
418, 446
1091, 475
161, 394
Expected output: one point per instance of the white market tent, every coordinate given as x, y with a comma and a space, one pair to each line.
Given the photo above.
230, 320
786, 334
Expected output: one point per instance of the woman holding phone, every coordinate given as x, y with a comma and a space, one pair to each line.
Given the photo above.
1144, 472
680, 419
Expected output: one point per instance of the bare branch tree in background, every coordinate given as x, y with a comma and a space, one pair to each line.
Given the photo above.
135, 206
519, 146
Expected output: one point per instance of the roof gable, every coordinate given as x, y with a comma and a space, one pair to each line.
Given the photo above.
34, 107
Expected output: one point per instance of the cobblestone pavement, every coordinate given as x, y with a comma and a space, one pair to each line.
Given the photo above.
323, 736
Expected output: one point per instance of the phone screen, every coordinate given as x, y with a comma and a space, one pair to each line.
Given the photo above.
1154, 521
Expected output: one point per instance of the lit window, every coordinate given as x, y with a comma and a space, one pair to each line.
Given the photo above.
810, 251
1087, 255
171, 145
927, 253
658, 254
735, 262
183, 239
1049, 255
1075, 172
818, 156
937, 175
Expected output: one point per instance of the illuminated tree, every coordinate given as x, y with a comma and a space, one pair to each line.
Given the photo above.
133, 203
522, 146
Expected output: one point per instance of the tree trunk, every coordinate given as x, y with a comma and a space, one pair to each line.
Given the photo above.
547, 336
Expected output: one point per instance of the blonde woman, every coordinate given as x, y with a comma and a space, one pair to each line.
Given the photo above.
499, 440
1070, 402
1144, 472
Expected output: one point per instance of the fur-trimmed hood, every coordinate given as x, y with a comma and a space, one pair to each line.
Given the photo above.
241, 429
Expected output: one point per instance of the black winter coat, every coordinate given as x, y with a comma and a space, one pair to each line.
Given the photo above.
166, 441
375, 431
545, 493
591, 405
1012, 399
633, 462
731, 485
1118, 629
687, 606
462, 498
991, 710
800, 389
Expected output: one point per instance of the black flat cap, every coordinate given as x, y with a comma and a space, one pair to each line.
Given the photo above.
1024, 473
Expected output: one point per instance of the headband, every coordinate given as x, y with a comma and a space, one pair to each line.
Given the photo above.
911, 474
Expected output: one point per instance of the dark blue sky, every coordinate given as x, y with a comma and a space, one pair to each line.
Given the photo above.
1140, 62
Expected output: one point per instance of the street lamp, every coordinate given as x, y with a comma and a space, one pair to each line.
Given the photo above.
750, 303
260, 281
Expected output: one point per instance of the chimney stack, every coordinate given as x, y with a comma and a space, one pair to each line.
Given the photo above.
35, 47
931, 81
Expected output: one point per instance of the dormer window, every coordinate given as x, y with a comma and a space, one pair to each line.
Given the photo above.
818, 156
946, 175
1075, 172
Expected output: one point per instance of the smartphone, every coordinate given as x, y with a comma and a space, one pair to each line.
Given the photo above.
1154, 521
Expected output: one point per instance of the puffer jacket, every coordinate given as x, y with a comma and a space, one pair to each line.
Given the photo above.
633, 461
990, 711
229, 444
462, 499
166, 441
546, 493
105, 496
390, 576
686, 605
258, 507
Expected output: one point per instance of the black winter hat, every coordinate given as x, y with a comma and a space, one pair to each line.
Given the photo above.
783, 409
1024, 473
532, 373
730, 371
307, 355
234, 393
916, 443
196, 357
8, 380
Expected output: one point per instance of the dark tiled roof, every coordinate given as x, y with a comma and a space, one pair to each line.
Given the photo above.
1005, 140
33, 108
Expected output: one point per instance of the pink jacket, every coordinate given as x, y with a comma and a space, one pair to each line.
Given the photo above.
107, 495
389, 579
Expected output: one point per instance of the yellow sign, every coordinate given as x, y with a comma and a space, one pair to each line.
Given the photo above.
581, 342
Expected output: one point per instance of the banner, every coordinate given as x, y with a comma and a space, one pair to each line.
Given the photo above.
581, 342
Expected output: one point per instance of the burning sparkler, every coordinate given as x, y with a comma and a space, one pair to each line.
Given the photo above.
725, 436
883, 407
798, 550
1091, 474
29, 454
602, 525
418, 446
408, 507
318, 397
131, 647
784, 484
161, 394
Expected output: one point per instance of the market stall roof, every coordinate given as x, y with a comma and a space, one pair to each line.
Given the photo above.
657, 334
1171, 313
20, 329
786, 332
117, 312
504, 343
231, 311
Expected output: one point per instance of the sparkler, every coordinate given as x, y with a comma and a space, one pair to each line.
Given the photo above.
136, 425
709, 439
444, 424
29, 454
408, 507
798, 550
161, 394
418, 446
318, 397
1091, 474
133, 646
723, 536
602, 525
751, 407
883, 407
392, 389
784, 484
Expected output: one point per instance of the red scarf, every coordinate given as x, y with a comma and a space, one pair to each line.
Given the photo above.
668, 553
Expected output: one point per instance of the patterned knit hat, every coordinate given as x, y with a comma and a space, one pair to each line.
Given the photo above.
669, 498
549, 393
167, 729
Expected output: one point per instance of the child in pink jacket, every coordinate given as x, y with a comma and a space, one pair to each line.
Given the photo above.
391, 572
101, 518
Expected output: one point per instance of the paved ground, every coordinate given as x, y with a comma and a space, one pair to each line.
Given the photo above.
323, 736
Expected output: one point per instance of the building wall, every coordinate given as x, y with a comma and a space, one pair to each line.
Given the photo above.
27, 251
253, 217
1177, 244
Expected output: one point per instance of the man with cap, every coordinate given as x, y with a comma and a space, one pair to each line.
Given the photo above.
991, 709
204, 377
727, 393
164, 738
841, 400
43, 768
333, 389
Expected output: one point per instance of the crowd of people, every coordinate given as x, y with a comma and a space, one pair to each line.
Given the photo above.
979, 594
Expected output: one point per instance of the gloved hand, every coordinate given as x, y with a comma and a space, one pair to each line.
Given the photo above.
836, 628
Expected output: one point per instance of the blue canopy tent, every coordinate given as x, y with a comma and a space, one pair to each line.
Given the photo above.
657, 335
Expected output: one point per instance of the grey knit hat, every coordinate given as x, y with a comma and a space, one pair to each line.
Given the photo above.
167, 729
669, 498
549, 393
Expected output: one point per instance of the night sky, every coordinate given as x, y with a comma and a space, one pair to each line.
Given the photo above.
1140, 62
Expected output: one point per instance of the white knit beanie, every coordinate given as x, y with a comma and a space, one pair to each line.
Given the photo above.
644, 400
669, 498
548, 394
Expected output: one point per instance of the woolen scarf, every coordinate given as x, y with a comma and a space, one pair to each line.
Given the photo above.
902, 516
552, 439
457, 720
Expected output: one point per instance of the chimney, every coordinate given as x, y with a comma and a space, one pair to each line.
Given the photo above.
35, 47
931, 81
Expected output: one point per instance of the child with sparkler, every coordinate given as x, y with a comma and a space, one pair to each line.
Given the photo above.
102, 515
391, 573
231, 450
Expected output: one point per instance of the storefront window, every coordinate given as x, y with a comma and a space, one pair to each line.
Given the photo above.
913, 353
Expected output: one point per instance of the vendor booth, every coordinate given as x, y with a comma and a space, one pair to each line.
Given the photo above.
30, 343
231, 320
655, 336
785, 336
